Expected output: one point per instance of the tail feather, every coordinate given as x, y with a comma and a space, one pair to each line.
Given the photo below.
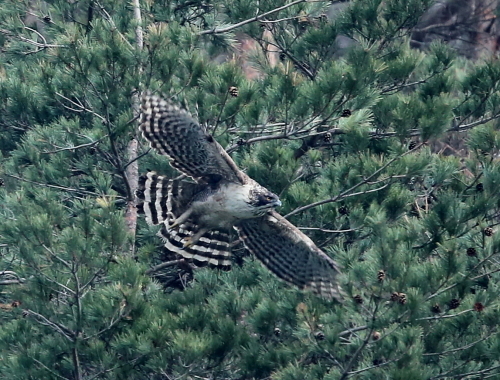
212, 248
162, 200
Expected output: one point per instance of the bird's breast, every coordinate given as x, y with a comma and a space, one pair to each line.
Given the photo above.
224, 206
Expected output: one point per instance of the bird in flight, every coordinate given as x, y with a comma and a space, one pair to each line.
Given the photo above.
197, 217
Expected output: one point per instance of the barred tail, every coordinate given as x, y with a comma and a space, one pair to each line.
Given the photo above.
162, 200
213, 248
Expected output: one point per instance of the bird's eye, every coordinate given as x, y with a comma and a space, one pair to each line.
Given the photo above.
269, 198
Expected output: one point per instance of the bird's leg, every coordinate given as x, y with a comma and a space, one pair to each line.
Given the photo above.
191, 240
181, 219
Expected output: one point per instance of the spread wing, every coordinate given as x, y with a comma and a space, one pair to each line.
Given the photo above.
173, 132
290, 254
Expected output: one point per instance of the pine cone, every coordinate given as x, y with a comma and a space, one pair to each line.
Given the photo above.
327, 137
358, 299
471, 252
233, 91
394, 296
454, 303
488, 231
346, 113
2, 182
323, 17
319, 335
277, 331
381, 275
402, 298
343, 210
304, 22
478, 306
412, 145
376, 335
436, 308
479, 187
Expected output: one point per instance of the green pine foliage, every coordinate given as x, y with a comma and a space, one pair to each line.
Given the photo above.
387, 157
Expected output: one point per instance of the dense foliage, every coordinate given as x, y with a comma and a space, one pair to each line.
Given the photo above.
385, 155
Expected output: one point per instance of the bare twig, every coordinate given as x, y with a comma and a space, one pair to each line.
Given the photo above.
326, 230
53, 373
73, 147
81, 107
353, 330
467, 346
167, 264
11, 282
63, 330
39, 45
109, 19
14, 278
68, 189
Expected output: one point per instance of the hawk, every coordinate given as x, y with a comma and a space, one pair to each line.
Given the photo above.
197, 218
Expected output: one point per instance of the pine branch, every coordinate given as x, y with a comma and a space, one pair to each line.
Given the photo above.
53, 373
354, 329
81, 107
8, 273
463, 348
62, 188
250, 20
346, 193
58, 327
355, 356
447, 316
40, 46
328, 231
109, 19
73, 147
166, 264
11, 282
475, 374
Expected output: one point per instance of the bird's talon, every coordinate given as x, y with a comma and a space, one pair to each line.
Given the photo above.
188, 242
174, 226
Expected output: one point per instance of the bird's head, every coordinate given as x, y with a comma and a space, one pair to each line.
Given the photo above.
263, 200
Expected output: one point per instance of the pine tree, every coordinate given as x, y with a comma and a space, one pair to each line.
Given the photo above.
386, 156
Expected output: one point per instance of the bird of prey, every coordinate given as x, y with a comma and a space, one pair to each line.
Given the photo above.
197, 217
